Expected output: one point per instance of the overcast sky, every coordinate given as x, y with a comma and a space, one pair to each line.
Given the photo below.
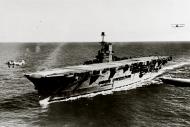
84, 20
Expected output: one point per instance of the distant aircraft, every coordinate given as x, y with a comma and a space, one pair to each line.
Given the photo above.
13, 63
177, 25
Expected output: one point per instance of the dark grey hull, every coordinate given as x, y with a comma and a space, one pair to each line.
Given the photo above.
85, 79
50, 86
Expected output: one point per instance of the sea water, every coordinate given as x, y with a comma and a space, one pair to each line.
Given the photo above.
155, 104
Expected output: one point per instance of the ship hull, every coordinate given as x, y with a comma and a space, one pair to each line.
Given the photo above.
81, 80
49, 86
126, 84
131, 82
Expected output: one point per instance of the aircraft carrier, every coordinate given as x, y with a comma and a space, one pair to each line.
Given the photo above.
105, 72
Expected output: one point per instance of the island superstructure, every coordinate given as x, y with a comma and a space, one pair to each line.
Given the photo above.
105, 72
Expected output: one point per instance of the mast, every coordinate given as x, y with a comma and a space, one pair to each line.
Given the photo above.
103, 35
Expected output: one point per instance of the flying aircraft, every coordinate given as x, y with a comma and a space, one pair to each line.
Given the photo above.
177, 25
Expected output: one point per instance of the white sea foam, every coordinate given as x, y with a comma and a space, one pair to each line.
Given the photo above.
171, 67
45, 102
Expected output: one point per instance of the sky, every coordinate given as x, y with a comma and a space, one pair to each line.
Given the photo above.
84, 20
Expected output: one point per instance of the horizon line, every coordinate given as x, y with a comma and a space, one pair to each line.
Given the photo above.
90, 41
